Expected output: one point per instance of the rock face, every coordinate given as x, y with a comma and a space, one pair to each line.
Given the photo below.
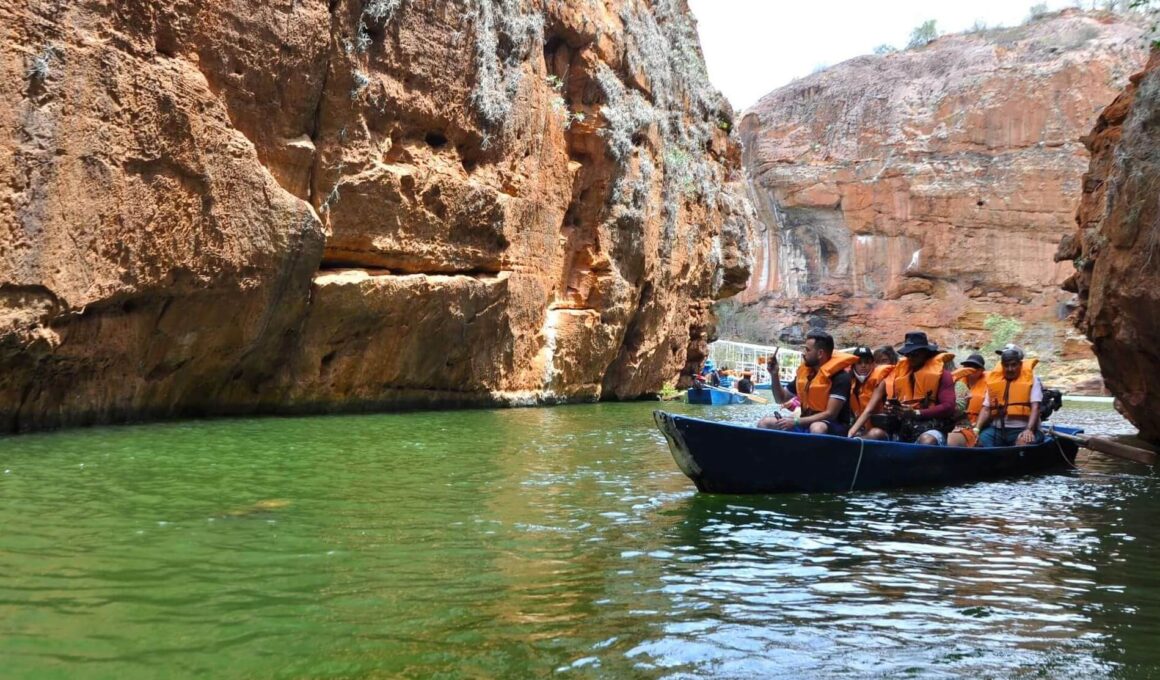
929, 188
1116, 250
234, 207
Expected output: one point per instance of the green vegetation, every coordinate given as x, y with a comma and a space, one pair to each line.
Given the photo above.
923, 34
40, 66
1003, 329
504, 36
885, 49
1038, 10
381, 10
361, 80
560, 105
1149, 9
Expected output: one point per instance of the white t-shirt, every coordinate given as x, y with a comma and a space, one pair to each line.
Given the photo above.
1011, 422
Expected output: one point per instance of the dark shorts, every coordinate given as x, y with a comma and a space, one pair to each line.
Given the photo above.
837, 429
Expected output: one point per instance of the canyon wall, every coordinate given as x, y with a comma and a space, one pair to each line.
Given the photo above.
235, 207
1115, 253
928, 189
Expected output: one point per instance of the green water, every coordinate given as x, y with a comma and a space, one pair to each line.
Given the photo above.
546, 542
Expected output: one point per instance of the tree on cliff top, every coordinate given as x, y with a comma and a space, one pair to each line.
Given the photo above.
922, 34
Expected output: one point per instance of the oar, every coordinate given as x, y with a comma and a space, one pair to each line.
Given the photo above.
1106, 446
754, 398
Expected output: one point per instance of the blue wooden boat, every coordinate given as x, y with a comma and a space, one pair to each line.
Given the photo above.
741, 459
714, 396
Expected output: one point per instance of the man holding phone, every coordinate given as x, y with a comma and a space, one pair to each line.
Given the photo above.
822, 385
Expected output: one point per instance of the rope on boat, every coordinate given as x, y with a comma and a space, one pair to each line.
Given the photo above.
1059, 446
861, 449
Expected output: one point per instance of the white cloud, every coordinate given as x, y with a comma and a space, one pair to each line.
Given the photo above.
755, 46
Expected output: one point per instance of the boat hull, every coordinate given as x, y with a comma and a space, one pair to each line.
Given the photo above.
738, 459
713, 396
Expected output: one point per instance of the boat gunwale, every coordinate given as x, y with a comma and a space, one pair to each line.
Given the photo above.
1047, 439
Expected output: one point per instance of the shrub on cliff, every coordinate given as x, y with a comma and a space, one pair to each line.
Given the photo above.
1003, 329
923, 34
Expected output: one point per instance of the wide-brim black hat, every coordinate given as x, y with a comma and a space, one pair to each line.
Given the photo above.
916, 340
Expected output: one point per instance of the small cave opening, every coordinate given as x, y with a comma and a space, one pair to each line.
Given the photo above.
435, 140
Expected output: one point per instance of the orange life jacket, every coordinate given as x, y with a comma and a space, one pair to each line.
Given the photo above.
978, 391
814, 392
1012, 399
860, 395
926, 381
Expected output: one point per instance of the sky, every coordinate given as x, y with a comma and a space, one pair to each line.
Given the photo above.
755, 46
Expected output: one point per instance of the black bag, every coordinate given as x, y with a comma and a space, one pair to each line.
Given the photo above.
908, 429
1052, 402
886, 422
912, 428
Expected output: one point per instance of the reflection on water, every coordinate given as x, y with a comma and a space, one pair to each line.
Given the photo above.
547, 542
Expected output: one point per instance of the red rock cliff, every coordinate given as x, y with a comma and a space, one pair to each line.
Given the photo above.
929, 188
1116, 250
232, 207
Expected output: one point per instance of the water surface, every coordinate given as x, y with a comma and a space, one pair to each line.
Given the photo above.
547, 542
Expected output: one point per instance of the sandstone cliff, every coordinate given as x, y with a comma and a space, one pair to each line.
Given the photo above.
233, 207
1116, 250
928, 188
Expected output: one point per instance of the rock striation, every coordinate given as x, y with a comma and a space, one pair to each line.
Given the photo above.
237, 207
929, 188
1116, 250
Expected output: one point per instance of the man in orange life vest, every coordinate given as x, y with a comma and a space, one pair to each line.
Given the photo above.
920, 391
1011, 405
822, 385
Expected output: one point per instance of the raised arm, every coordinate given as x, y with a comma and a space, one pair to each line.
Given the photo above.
780, 394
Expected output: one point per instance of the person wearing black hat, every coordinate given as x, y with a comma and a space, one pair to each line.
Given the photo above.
1011, 407
970, 389
822, 385
920, 393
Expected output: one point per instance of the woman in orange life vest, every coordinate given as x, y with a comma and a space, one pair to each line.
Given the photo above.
866, 375
822, 384
972, 376
1011, 405
919, 389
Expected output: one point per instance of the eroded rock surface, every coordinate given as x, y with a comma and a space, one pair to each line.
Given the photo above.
929, 188
1116, 250
232, 207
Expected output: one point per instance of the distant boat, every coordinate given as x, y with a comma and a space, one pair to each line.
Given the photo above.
741, 459
714, 396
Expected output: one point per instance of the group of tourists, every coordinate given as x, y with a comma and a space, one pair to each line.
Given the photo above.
920, 396
723, 377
